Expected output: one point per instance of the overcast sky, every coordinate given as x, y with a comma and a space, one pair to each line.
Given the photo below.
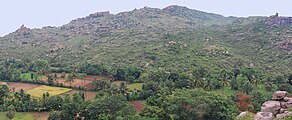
39, 13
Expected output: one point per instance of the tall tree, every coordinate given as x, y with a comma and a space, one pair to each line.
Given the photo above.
224, 79
70, 79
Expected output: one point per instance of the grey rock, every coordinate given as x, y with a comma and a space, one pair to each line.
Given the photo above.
279, 95
271, 106
264, 116
242, 114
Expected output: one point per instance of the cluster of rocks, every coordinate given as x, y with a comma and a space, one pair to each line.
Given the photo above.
277, 107
276, 20
100, 14
181, 45
23, 31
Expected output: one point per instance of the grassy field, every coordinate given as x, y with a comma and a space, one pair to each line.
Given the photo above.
137, 86
27, 76
38, 92
18, 116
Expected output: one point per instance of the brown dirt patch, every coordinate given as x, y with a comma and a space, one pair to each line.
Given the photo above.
98, 77
25, 86
89, 86
138, 106
40, 115
88, 94
76, 83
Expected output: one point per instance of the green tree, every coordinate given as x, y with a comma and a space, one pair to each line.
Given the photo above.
11, 112
244, 84
4, 92
112, 106
50, 79
224, 79
200, 75
198, 104
208, 85
70, 79
153, 112
122, 89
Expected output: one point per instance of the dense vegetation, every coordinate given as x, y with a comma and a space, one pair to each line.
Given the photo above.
191, 64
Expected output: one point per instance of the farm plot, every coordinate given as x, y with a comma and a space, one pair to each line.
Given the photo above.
38, 92
17, 86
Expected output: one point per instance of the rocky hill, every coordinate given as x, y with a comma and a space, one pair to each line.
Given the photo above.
175, 36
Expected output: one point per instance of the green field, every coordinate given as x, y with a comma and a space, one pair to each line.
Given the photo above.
137, 86
18, 116
38, 92
27, 76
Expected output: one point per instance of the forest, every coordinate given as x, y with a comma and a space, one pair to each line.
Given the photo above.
167, 94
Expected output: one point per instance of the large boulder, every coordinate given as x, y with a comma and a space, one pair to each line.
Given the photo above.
271, 106
264, 116
279, 95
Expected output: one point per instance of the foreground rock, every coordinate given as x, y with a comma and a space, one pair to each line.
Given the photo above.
278, 107
264, 116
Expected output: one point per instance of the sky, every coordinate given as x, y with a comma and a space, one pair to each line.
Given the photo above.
40, 13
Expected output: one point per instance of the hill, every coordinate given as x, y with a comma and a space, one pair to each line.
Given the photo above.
173, 37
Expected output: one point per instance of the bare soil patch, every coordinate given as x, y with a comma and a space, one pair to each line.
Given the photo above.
40, 115
138, 105
25, 86
89, 95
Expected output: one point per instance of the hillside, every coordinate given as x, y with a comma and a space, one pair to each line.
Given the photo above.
173, 37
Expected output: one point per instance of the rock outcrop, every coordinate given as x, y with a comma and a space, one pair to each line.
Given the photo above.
278, 107
277, 20
264, 116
